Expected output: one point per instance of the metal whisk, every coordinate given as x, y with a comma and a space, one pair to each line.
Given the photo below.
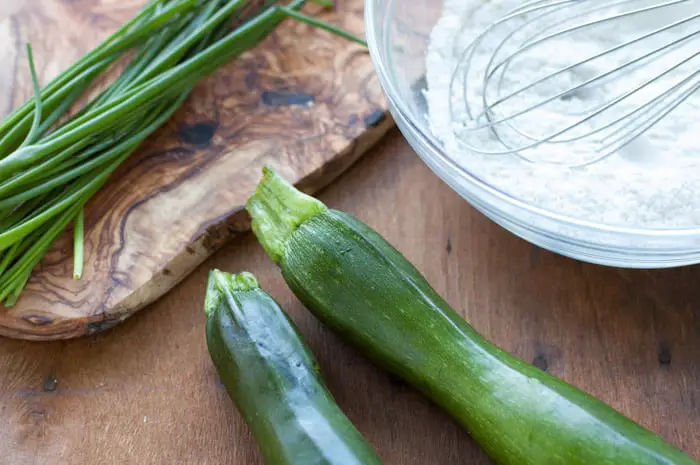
604, 97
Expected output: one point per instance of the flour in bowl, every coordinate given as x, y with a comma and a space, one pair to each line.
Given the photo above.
653, 182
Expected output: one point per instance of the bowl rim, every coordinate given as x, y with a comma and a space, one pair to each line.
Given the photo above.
372, 32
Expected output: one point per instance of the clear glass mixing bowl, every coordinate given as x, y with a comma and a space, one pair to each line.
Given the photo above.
398, 33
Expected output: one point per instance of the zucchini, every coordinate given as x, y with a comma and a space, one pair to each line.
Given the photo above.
274, 380
356, 283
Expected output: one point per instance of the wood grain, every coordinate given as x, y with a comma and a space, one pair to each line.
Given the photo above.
304, 102
146, 393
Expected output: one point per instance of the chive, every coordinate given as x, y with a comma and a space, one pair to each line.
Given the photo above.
321, 25
92, 65
17, 289
36, 125
9, 257
51, 165
79, 245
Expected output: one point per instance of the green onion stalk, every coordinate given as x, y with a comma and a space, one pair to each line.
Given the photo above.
52, 163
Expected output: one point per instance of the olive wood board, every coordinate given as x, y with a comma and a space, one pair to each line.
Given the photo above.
304, 101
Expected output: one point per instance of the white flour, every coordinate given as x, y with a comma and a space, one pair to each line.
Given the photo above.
653, 182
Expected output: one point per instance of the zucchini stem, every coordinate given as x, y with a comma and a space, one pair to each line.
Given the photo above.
222, 285
277, 209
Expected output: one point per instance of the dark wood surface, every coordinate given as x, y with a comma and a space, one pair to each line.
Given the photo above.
146, 391
309, 107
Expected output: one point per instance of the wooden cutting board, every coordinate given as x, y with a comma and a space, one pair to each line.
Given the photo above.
304, 102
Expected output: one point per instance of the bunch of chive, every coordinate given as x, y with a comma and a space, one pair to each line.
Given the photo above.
49, 170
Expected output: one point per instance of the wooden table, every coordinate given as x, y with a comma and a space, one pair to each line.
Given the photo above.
146, 392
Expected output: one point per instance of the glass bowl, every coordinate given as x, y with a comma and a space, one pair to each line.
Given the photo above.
398, 34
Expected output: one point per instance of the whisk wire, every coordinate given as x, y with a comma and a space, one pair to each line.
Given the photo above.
510, 58
603, 107
656, 118
595, 124
468, 53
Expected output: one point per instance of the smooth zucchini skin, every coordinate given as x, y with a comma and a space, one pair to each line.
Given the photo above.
274, 381
356, 283
359, 285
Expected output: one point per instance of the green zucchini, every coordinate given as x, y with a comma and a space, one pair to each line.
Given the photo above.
274, 380
356, 283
